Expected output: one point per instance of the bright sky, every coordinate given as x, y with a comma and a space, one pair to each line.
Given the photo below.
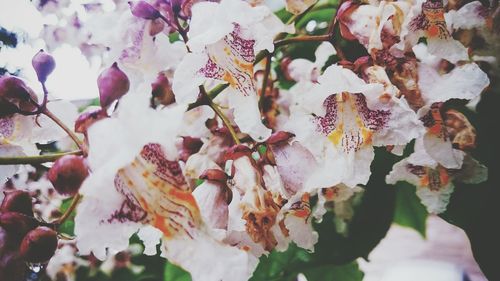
73, 77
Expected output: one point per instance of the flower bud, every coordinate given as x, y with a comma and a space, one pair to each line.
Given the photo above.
17, 201
344, 12
113, 84
86, 119
162, 90
144, 10
214, 175
43, 64
280, 136
15, 95
17, 224
68, 173
39, 245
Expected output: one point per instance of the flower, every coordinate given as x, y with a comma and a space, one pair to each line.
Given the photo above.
340, 120
434, 182
224, 38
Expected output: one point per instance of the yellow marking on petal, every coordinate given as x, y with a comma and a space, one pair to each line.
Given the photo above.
336, 135
229, 79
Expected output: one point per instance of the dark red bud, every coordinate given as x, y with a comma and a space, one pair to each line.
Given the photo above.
193, 145
156, 27
113, 84
279, 137
15, 95
86, 119
144, 10
17, 224
162, 90
214, 175
362, 63
68, 173
39, 245
43, 64
238, 151
285, 62
17, 201
343, 14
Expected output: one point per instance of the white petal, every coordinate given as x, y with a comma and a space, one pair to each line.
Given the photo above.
435, 201
448, 49
151, 237
247, 115
469, 16
463, 82
187, 79
212, 203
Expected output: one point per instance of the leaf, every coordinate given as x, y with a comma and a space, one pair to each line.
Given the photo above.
277, 264
348, 272
409, 211
175, 273
68, 226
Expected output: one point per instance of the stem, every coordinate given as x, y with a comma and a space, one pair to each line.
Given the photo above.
212, 94
267, 71
21, 160
222, 116
71, 208
70, 133
305, 38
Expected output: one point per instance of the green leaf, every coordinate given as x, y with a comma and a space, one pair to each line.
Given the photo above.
68, 226
276, 265
409, 211
175, 273
348, 272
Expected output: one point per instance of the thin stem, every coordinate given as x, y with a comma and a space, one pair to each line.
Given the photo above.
221, 114
22, 160
305, 38
212, 94
68, 131
267, 71
71, 208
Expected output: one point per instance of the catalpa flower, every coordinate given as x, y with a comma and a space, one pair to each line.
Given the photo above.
448, 132
340, 120
435, 183
138, 186
224, 38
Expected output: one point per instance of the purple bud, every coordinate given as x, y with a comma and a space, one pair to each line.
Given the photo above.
144, 10
162, 90
68, 173
43, 64
17, 224
39, 245
17, 201
15, 95
113, 84
87, 119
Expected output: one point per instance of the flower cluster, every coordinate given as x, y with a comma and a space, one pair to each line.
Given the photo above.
197, 145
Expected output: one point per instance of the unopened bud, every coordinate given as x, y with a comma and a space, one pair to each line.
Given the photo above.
343, 16
86, 119
113, 84
43, 64
17, 201
17, 224
214, 175
68, 173
15, 95
39, 245
280, 136
162, 90
144, 10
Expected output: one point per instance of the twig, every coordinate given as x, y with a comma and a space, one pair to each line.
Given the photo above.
71, 208
68, 131
267, 71
221, 114
21, 160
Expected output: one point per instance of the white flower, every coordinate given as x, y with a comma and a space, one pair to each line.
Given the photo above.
340, 120
305, 70
434, 182
224, 38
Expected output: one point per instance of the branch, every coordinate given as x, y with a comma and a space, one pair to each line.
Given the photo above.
22, 160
